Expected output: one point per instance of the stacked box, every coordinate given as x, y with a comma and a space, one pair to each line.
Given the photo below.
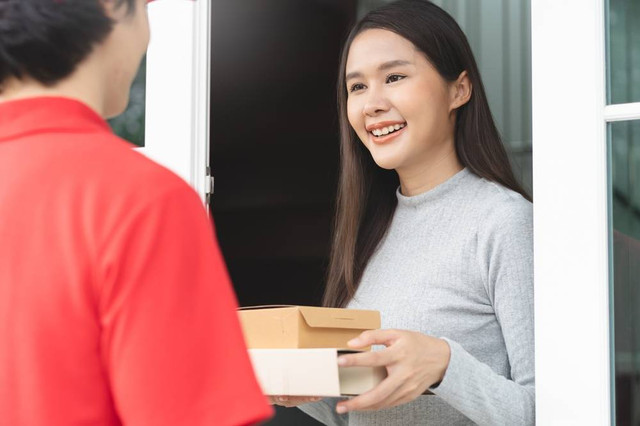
294, 349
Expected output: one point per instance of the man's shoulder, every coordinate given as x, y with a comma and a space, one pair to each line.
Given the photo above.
104, 170
118, 164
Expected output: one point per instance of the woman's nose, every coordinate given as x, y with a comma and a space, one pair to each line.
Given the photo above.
375, 104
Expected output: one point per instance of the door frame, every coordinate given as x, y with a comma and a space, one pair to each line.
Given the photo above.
570, 174
177, 93
571, 216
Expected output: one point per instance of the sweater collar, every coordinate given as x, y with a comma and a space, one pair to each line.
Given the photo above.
47, 114
436, 193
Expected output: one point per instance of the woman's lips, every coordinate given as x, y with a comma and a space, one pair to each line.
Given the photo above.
386, 138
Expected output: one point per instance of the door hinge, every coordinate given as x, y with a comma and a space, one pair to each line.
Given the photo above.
209, 185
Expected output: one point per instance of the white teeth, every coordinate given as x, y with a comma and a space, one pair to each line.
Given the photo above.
386, 130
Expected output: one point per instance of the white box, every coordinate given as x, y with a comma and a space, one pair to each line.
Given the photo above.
311, 372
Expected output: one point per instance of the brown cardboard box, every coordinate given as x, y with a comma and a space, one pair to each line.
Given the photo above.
311, 372
273, 327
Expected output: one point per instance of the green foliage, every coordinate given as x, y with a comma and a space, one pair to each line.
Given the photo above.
130, 124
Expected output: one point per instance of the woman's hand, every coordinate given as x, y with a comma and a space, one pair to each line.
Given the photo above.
414, 362
292, 401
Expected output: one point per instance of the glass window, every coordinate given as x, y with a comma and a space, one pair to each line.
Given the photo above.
623, 68
130, 124
624, 148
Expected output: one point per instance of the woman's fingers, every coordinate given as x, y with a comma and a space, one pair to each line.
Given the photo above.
367, 359
371, 400
374, 337
405, 394
414, 362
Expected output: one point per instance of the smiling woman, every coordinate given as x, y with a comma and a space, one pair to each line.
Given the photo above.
432, 229
444, 98
381, 96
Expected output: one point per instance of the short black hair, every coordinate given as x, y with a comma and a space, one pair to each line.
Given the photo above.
47, 39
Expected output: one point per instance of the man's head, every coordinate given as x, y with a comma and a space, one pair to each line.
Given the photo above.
52, 43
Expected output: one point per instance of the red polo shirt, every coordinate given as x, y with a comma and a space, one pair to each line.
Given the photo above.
115, 304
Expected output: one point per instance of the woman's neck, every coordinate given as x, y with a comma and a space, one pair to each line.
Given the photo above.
426, 176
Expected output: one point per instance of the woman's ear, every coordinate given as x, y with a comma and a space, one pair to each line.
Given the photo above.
461, 90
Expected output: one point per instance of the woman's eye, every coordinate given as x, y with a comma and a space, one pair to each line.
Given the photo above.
356, 87
394, 77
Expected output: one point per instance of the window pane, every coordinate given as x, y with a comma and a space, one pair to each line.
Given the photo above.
624, 148
623, 66
130, 124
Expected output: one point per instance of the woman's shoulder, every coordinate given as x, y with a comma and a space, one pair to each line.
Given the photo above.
498, 207
495, 195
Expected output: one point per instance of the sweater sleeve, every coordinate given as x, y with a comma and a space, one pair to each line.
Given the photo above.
324, 411
505, 256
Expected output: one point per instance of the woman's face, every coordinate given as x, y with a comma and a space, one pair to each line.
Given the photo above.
398, 104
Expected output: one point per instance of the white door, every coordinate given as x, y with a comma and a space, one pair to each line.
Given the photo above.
177, 90
574, 179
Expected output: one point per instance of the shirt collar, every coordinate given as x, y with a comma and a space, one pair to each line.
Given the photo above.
48, 114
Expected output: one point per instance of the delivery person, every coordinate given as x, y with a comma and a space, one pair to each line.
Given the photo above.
115, 305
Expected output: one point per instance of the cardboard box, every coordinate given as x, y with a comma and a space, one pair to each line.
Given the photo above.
311, 372
273, 327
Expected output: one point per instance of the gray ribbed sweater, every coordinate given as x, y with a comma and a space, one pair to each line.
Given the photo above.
457, 263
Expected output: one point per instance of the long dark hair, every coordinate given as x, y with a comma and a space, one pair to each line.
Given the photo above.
366, 197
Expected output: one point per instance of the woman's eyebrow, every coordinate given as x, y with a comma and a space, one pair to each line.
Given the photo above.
384, 66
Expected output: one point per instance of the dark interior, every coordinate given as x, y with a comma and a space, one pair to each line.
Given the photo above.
274, 146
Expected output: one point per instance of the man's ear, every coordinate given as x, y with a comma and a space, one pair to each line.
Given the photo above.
113, 9
461, 90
